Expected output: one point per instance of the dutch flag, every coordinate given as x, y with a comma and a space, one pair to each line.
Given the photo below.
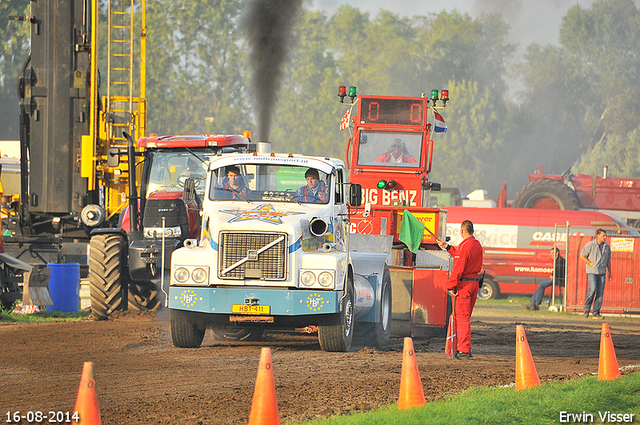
440, 125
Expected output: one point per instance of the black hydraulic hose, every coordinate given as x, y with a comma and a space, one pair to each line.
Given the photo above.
133, 194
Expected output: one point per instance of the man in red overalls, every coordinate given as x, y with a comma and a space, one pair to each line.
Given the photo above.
463, 284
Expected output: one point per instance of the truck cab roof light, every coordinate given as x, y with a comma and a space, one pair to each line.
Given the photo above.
342, 92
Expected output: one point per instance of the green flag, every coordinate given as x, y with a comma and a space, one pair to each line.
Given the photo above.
411, 231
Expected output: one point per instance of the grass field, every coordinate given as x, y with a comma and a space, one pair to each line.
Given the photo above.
584, 400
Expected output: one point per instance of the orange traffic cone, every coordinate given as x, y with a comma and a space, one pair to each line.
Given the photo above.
87, 409
411, 392
526, 373
608, 366
264, 408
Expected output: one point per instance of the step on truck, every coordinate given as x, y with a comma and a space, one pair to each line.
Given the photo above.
275, 254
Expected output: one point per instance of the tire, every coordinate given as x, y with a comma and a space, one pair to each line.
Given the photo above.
490, 290
186, 331
547, 194
143, 296
222, 333
383, 326
105, 275
337, 334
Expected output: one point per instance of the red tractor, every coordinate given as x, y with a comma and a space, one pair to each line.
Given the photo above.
610, 195
125, 262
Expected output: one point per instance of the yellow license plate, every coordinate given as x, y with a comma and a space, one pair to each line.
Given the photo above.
250, 309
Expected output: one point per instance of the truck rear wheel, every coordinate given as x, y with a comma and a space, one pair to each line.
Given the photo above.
337, 334
105, 275
143, 296
547, 194
186, 331
383, 326
223, 333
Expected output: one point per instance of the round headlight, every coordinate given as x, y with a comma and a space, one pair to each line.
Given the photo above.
199, 275
308, 278
181, 274
325, 279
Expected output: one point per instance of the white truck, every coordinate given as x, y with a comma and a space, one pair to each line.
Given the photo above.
275, 254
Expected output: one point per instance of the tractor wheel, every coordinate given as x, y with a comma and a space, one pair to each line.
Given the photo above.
547, 194
382, 331
143, 296
186, 331
490, 290
337, 333
105, 275
223, 333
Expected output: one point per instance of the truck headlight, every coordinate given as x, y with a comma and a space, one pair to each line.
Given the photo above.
307, 278
199, 275
181, 274
325, 279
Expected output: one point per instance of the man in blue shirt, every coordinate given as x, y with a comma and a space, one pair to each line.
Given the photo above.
597, 255
315, 190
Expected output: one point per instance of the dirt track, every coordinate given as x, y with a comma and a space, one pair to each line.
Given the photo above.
143, 379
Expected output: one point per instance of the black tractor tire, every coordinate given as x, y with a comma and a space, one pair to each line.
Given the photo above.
186, 330
144, 296
490, 290
547, 194
336, 335
382, 330
223, 333
106, 274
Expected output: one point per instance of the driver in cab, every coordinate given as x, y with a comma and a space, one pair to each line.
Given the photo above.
233, 186
397, 153
315, 190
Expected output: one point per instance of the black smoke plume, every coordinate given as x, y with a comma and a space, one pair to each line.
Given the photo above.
268, 29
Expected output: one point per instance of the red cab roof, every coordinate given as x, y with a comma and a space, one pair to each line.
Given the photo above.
192, 141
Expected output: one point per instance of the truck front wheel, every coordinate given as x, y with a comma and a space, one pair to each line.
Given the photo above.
186, 330
105, 274
337, 333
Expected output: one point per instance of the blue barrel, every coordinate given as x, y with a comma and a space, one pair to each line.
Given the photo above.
64, 287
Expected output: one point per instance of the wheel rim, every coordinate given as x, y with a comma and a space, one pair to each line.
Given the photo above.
486, 291
348, 317
386, 309
545, 203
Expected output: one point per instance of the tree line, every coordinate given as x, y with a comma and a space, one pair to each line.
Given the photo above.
578, 106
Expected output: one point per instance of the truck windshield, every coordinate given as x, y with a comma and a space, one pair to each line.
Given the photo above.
389, 149
170, 169
259, 182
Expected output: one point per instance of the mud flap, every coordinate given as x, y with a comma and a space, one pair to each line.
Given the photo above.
419, 302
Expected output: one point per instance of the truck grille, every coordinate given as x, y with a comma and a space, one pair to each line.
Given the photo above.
255, 262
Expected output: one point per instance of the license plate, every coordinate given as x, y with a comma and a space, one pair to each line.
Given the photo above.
250, 309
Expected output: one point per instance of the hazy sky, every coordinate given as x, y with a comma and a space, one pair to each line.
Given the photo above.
530, 20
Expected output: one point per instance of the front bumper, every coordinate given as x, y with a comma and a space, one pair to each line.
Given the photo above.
281, 301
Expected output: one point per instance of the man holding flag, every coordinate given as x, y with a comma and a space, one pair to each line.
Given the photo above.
463, 284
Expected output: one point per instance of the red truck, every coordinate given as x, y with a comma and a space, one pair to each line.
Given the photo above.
517, 241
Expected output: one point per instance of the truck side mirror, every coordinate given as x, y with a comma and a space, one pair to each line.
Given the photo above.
436, 187
355, 195
113, 157
189, 192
